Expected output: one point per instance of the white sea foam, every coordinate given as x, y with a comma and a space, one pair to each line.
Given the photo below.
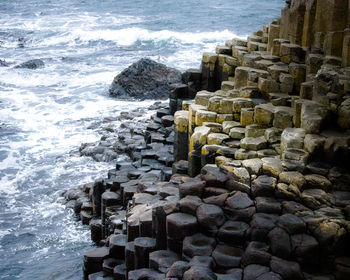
129, 36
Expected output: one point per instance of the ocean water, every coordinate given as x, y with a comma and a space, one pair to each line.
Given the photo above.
45, 113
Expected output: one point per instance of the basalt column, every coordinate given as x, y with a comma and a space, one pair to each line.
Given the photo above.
181, 135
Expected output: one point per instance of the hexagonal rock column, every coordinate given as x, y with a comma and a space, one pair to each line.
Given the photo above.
194, 163
96, 229
130, 256
162, 260
145, 273
119, 272
109, 264
239, 207
263, 186
108, 199
254, 271
197, 245
199, 138
117, 245
178, 269
199, 272
208, 71
274, 32
233, 232
181, 135
227, 256
261, 225
180, 225
97, 190
178, 93
143, 247
93, 260
208, 153
210, 218
287, 269
292, 138
213, 176
238, 179
159, 214
192, 187
256, 253
180, 167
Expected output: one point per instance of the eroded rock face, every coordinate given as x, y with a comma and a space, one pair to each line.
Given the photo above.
145, 79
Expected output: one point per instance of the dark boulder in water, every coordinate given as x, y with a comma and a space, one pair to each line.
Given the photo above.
3, 63
145, 79
31, 64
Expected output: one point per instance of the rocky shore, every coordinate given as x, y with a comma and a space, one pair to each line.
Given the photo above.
245, 173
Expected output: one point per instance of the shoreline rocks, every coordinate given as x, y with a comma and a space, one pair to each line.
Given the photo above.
245, 174
145, 79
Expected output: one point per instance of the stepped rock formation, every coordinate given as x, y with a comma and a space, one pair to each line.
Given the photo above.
260, 185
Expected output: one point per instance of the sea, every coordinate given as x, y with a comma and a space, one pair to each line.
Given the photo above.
47, 113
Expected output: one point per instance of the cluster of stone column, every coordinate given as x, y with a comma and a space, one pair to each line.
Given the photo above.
257, 184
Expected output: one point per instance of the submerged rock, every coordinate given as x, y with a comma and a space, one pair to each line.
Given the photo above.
145, 79
31, 64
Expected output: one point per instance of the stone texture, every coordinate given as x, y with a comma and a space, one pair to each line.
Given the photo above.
180, 225
210, 216
198, 245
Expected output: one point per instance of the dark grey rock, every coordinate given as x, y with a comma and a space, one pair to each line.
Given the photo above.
291, 223
268, 205
145, 273
263, 186
189, 204
240, 207
199, 273
198, 245
96, 229
3, 63
210, 216
31, 64
287, 269
231, 274
253, 271
213, 176
93, 259
256, 253
117, 245
280, 243
119, 272
177, 269
145, 79
180, 225
261, 225
203, 261
193, 187
233, 232
227, 256
305, 248
162, 260
269, 276
109, 264
143, 247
